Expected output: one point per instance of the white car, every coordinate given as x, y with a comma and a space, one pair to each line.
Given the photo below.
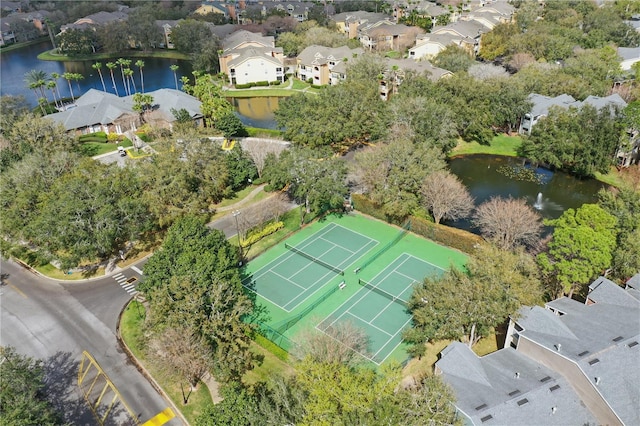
122, 152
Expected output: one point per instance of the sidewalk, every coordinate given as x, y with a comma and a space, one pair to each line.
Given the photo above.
244, 201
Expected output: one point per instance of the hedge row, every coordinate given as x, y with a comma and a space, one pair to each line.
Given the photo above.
450, 237
93, 137
258, 84
254, 237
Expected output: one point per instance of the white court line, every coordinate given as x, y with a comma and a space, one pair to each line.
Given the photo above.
368, 322
135, 268
390, 339
288, 280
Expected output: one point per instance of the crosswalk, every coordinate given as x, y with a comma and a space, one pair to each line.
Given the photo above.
128, 284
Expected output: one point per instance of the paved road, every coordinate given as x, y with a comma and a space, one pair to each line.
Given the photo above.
56, 321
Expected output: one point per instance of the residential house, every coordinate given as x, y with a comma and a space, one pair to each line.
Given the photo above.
501, 11
508, 388
97, 111
97, 19
20, 27
629, 56
429, 45
386, 35
251, 58
210, 6
166, 27
10, 6
565, 363
466, 34
397, 69
347, 23
325, 65
542, 104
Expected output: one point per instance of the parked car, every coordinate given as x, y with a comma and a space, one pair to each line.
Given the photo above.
122, 152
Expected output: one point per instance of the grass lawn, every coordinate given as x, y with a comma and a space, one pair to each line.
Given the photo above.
50, 55
299, 84
256, 132
97, 148
613, 178
500, 145
130, 329
270, 366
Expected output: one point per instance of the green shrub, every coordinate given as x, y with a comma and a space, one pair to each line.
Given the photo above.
93, 137
450, 237
315, 86
244, 86
144, 137
261, 83
254, 237
271, 347
274, 83
366, 206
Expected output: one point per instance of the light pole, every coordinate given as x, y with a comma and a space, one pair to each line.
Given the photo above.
236, 213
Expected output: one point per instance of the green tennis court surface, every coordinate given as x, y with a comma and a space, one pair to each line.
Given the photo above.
293, 277
380, 265
379, 307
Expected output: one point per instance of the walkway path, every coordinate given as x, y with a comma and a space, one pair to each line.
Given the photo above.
242, 202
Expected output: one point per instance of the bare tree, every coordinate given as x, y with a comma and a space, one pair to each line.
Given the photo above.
487, 71
445, 196
520, 60
258, 151
341, 343
508, 222
178, 348
269, 209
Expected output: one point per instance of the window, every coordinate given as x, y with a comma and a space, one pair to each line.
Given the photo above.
515, 392
545, 379
522, 402
583, 353
486, 418
279, 69
632, 344
554, 388
617, 339
481, 407
594, 361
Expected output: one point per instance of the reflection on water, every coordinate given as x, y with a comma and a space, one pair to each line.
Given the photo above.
560, 191
257, 112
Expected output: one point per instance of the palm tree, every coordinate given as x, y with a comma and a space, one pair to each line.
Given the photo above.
55, 76
140, 65
69, 76
128, 72
124, 63
36, 80
98, 67
175, 68
52, 85
77, 77
111, 67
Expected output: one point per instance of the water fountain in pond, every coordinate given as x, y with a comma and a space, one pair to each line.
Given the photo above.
538, 204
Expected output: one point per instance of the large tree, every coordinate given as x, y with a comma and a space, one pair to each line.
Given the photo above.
508, 223
343, 116
391, 175
342, 343
496, 284
581, 247
314, 179
193, 281
23, 397
445, 196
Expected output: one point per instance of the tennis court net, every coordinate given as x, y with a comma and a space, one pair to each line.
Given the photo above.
314, 259
383, 293
405, 229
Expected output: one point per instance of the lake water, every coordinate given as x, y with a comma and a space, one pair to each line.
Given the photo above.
257, 112
16, 63
486, 176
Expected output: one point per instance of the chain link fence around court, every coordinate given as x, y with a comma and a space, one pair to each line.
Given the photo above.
405, 229
384, 293
314, 259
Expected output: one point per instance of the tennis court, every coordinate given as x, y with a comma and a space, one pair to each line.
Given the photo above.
380, 306
305, 268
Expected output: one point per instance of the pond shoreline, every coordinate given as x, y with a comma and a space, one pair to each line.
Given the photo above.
49, 55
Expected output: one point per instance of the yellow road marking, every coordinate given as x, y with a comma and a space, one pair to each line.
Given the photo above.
161, 418
17, 289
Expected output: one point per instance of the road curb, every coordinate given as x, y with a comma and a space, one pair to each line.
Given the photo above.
143, 370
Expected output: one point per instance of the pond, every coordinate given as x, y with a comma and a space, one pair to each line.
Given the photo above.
551, 193
15, 64
257, 112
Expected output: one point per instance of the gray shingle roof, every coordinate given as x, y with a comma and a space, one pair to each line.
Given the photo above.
318, 55
98, 107
508, 388
253, 52
542, 104
601, 342
421, 67
243, 36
